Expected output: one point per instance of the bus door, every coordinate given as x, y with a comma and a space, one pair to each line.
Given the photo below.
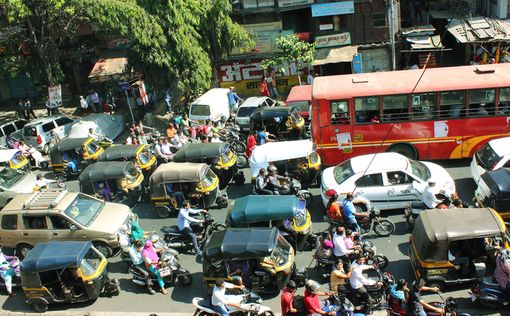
336, 130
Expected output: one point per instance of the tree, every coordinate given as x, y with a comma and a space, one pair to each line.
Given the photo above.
294, 50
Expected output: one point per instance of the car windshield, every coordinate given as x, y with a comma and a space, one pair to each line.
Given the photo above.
301, 106
90, 262
227, 155
132, 174
246, 111
487, 157
281, 252
343, 171
144, 157
314, 158
92, 147
419, 170
301, 214
200, 109
84, 209
9, 177
209, 178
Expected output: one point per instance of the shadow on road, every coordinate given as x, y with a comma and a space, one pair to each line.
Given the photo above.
181, 293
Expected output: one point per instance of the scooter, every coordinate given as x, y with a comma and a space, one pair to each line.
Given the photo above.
248, 306
487, 292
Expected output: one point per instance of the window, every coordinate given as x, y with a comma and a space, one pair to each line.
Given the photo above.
58, 222
504, 101
398, 177
270, 102
452, 103
343, 172
48, 127
395, 108
10, 222
251, 4
29, 131
423, 106
482, 102
370, 180
20, 123
340, 113
35, 222
366, 109
379, 19
9, 129
200, 109
61, 121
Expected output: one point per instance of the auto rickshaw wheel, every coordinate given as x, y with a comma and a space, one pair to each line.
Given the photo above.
22, 250
40, 306
162, 211
60, 177
436, 283
222, 201
185, 280
239, 178
104, 249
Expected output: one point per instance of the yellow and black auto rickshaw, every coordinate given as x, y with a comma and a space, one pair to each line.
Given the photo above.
439, 236
71, 155
285, 212
140, 154
113, 181
217, 155
65, 272
14, 159
192, 181
282, 121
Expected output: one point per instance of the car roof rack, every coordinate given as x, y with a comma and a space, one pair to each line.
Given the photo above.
44, 199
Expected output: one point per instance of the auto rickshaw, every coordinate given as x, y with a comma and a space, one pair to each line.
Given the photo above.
195, 181
494, 191
113, 181
65, 272
282, 121
14, 159
217, 155
438, 233
70, 155
140, 154
299, 158
263, 255
285, 212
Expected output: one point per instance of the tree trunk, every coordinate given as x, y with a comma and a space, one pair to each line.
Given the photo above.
298, 75
40, 54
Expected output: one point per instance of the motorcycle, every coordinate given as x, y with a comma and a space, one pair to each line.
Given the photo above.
377, 293
381, 226
294, 188
413, 209
487, 292
249, 305
16, 277
177, 240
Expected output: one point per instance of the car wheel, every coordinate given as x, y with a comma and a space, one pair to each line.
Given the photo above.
384, 227
40, 307
22, 250
162, 211
104, 249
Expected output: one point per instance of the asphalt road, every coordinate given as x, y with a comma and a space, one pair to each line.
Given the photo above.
135, 299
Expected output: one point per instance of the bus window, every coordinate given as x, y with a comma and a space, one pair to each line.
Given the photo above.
504, 101
424, 106
395, 108
340, 113
452, 103
366, 110
482, 102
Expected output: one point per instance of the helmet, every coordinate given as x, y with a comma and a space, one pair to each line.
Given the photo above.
223, 119
312, 286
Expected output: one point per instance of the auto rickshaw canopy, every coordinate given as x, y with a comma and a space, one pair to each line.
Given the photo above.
104, 170
498, 181
64, 145
120, 152
179, 172
265, 113
261, 208
278, 151
7, 154
55, 255
195, 151
241, 243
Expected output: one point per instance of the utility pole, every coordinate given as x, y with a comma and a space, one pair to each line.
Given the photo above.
391, 16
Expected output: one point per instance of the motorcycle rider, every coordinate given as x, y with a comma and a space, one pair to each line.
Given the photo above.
261, 183
428, 197
313, 305
273, 183
399, 294
340, 250
338, 278
6, 271
502, 271
287, 299
349, 212
183, 222
218, 299
416, 306
135, 253
358, 281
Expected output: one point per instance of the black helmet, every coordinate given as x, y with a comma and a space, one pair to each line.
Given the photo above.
223, 119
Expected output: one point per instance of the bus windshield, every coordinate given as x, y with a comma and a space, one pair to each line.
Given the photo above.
419, 170
343, 171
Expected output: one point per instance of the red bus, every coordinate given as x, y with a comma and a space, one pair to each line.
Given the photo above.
300, 97
438, 113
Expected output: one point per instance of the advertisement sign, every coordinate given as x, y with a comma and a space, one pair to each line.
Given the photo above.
263, 27
333, 40
265, 42
333, 8
292, 3
55, 96
357, 64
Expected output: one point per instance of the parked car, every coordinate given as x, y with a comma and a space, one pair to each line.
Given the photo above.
388, 180
491, 156
14, 182
11, 128
107, 125
248, 107
37, 132
494, 191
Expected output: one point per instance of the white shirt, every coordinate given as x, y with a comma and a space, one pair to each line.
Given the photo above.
340, 249
215, 140
41, 183
429, 198
135, 255
218, 294
83, 103
357, 279
183, 219
165, 149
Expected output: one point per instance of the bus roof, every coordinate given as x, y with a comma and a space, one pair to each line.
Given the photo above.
300, 93
404, 81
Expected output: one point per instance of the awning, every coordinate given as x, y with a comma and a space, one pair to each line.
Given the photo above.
480, 29
108, 69
325, 56
425, 42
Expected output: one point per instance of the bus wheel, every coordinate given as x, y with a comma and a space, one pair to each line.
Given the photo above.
405, 150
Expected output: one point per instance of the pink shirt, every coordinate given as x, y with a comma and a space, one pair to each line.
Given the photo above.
502, 272
328, 244
349, 243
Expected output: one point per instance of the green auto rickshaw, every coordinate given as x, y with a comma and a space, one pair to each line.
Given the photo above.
263, 255
65, 272
288, 213
217, 155
140, 154
70, 155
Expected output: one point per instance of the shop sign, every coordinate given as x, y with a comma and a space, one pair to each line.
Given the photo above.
292, 3
265, 42
333, 40
262, 27
325, 27
55, 96
333, 8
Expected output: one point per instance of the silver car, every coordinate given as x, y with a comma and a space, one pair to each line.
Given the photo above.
248, 107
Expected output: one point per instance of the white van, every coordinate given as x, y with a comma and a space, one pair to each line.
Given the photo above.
211, 105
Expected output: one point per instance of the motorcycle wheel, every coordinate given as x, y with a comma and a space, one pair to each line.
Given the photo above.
384, 227
268, 313
380, 260
242, 161
185, 280
239, 147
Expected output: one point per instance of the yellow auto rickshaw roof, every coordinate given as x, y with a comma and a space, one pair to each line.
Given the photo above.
179, 172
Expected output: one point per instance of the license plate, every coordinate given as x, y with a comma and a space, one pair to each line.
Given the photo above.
164, 272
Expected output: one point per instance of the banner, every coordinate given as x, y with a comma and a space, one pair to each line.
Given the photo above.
55, 96
333, 8
292, 3
333, 40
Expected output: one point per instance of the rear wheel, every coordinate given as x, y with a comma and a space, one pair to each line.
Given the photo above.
104, 249
162, 211
40, 307
380, 260
22, 250
384, 227
239, 146
61, 177
405, 150
222, 201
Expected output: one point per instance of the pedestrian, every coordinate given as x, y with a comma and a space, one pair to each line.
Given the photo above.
110, 102
251, 143
233, 99
48, 106
263, 89
309, 78
29, 110
94, 97
20, 110
168, 100
271, 83
84, 105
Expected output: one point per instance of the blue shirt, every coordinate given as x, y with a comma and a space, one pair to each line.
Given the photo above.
262, 137
348, 210
233, 98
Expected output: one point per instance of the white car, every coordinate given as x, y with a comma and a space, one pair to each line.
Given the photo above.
491, 156
248, 107
107, 125
388, 180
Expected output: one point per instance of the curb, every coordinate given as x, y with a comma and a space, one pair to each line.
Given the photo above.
67, 313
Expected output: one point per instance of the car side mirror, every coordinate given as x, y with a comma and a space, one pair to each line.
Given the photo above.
73, 228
